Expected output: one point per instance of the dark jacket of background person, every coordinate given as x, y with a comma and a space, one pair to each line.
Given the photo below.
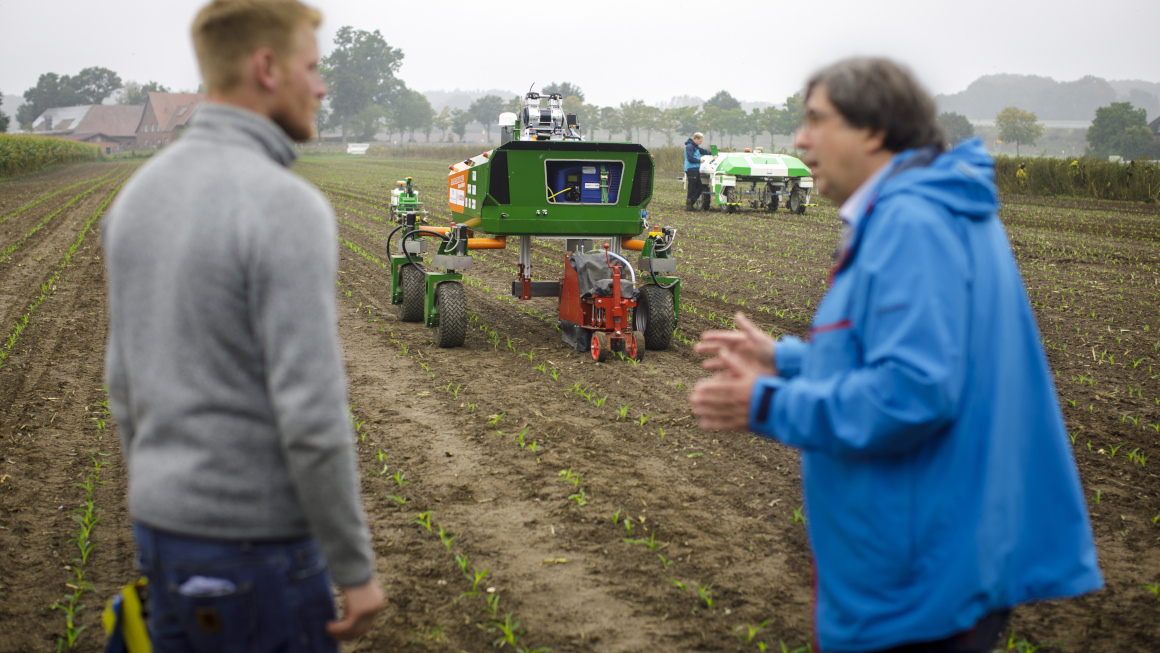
939, 482
693, 154
223, 364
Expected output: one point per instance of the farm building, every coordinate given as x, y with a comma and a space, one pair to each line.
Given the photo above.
165, 116
1155, 127
112, 127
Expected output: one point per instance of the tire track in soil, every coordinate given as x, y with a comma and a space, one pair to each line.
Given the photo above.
47, 435
620, 457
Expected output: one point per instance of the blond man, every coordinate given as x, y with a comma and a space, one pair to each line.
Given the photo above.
223, 363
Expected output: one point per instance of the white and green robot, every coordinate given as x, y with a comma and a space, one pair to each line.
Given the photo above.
755, 180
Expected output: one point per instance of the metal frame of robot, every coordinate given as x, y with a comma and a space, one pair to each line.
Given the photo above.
611, 334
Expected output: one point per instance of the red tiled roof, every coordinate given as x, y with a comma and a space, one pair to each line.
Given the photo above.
112, 120
173, 109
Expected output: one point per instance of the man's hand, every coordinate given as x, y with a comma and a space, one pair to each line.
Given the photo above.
721, 402
747, 341
362, 604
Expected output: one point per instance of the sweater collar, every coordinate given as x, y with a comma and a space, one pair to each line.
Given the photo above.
243, 127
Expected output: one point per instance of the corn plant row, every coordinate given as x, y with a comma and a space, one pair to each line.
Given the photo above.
508, 631
21, 153
7, 253
58, 192
86, 518
49, 286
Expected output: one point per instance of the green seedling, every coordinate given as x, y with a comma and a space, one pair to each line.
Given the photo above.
706, 594
534, 446
1097, 497
398, 476
622, 412
798, 514
661, 432
555, 374
747, 632
510, 632
1154, 589
493, 603
446, 538
616, 516
642, 419
495, 419
520, 438
627, 525
461, 560
678, 584
400, 500
581, 498
423, 519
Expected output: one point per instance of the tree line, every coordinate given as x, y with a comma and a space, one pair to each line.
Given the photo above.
90, 86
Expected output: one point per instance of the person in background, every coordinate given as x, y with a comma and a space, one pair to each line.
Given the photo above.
693, 152
940, 487
223, 364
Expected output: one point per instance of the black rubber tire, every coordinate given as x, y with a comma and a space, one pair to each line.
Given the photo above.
653, 316
797, 201
601, 346
451, 302
414, 284
774, 199
730, 205
706, 201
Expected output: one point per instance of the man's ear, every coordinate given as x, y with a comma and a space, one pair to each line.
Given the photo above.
264, 66
874, 140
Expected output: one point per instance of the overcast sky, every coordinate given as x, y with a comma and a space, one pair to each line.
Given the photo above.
619, 51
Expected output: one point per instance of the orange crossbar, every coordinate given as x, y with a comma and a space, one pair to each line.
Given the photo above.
487, 243
634, 245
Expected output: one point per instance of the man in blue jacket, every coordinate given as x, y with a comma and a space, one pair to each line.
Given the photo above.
939, 484
693, 152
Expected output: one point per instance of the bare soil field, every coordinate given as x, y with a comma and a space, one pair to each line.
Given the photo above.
516, 480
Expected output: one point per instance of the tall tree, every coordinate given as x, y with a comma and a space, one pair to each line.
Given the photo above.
3, 116
795, 111
610, 120
1018, 125
443, 123
486, 111
711, 119
724, 101
50, 91
459, 121
565, 89
360, 71
137, 93
688, 119
955, 126
632, 116
411, 111
93, 85
1106, 135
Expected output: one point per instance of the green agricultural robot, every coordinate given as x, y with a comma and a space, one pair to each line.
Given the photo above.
755, 180
544, 181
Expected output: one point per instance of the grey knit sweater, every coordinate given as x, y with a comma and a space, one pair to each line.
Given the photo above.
223, 364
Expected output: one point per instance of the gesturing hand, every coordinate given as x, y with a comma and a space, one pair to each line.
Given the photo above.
747, 342
721, 402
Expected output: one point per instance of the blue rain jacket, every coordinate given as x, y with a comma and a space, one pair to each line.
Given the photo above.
693, 154
938, 477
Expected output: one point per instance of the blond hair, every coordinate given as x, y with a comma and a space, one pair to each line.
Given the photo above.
225, 32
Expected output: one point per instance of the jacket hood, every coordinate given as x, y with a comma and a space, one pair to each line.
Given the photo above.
690, 142
962, 179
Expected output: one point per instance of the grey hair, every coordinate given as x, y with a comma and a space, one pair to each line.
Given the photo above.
884, 96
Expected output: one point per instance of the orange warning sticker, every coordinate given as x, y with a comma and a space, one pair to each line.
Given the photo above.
457, 191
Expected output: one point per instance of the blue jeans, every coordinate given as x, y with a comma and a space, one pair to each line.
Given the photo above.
223, 596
